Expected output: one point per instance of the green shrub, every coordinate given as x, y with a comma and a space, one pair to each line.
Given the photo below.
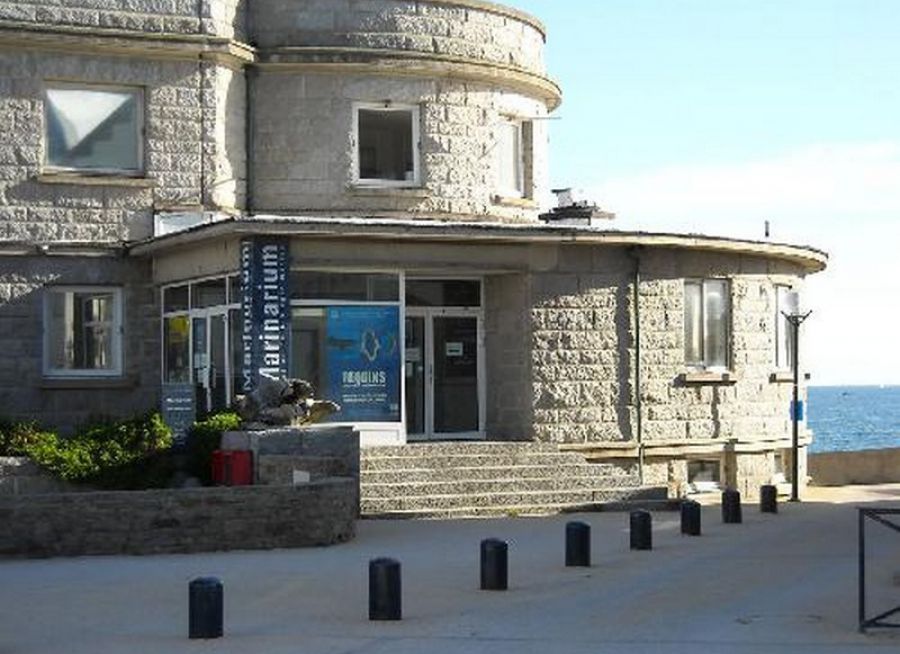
16, 437
126, 455
203, 438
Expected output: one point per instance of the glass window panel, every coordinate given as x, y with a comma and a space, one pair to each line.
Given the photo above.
386, 145
236, 332
784, 343
93, 129
308, 347
210, 293
356, 287
693, 323
234, 289
509, 159
443, 293
716, 324
81, 334
176, 344
176, 298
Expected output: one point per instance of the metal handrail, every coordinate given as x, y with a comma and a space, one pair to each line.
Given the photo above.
879, 620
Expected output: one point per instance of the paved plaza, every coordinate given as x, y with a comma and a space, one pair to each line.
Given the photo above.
784, 583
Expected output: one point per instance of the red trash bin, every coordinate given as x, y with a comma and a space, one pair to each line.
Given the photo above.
232, 468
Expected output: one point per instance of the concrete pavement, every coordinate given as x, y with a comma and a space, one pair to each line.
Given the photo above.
784, 583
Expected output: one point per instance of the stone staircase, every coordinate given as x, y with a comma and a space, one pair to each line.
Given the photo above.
462, 480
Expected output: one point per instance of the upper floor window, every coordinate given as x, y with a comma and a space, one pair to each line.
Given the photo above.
786, 302
707, 314
387, 145
95, 129
82, 331
513, 158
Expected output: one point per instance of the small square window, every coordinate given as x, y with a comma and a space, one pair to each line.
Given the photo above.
82, 331
93, 128
387, 145
707, 317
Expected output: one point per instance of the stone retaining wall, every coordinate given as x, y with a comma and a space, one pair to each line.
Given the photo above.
19, 475
863, 467
183, 520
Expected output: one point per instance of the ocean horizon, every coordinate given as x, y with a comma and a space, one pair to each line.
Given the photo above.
850, 418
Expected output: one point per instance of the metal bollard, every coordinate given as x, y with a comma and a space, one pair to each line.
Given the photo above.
384, 590
768, 499
641, 530
205, 608
690, 518
731, 507
494, 564
578, 545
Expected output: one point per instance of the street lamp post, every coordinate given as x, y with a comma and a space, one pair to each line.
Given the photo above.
795, 320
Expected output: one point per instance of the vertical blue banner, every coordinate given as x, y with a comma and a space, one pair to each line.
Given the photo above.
363, 363
265, 308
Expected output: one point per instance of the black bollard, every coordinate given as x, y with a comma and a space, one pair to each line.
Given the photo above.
768, 499
690, 518
731, 507
494, 564
641, 530
578, 545
205, 608
384, 590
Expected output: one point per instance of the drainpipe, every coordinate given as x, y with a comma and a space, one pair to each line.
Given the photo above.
249, 76
635, 254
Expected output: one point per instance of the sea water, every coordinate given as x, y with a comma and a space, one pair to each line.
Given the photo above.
854, 417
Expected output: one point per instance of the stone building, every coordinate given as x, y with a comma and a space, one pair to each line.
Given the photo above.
196, 191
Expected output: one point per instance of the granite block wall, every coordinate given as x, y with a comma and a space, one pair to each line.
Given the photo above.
182, 520
225, 18
471, 30
24, 392
304, 150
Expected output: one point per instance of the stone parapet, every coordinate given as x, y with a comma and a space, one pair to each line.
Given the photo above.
478, 31
223, 18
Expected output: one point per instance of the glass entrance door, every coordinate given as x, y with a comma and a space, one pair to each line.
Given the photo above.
443, 374
211, 362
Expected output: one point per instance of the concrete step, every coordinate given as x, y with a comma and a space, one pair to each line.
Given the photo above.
459, 447
599, 471
493, 486
618, 499
489, 500
438, 461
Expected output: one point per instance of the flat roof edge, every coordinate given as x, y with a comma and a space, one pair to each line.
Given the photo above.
810, 258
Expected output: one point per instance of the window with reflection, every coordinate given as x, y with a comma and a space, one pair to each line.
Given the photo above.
707, 318
82, 331
93, 128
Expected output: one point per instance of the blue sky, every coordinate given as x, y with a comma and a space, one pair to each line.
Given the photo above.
714, 116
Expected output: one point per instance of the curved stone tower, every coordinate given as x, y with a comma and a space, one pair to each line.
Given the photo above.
459, 87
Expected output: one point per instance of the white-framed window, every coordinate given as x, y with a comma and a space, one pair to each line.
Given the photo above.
93, 128
512, 158
786, 302
707, 319
83, 331
387, 144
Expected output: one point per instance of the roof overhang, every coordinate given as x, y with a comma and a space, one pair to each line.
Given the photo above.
810, 259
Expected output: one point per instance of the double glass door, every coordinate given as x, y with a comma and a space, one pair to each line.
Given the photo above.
443, 374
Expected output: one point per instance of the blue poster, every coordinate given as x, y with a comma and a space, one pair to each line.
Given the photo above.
363, 363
